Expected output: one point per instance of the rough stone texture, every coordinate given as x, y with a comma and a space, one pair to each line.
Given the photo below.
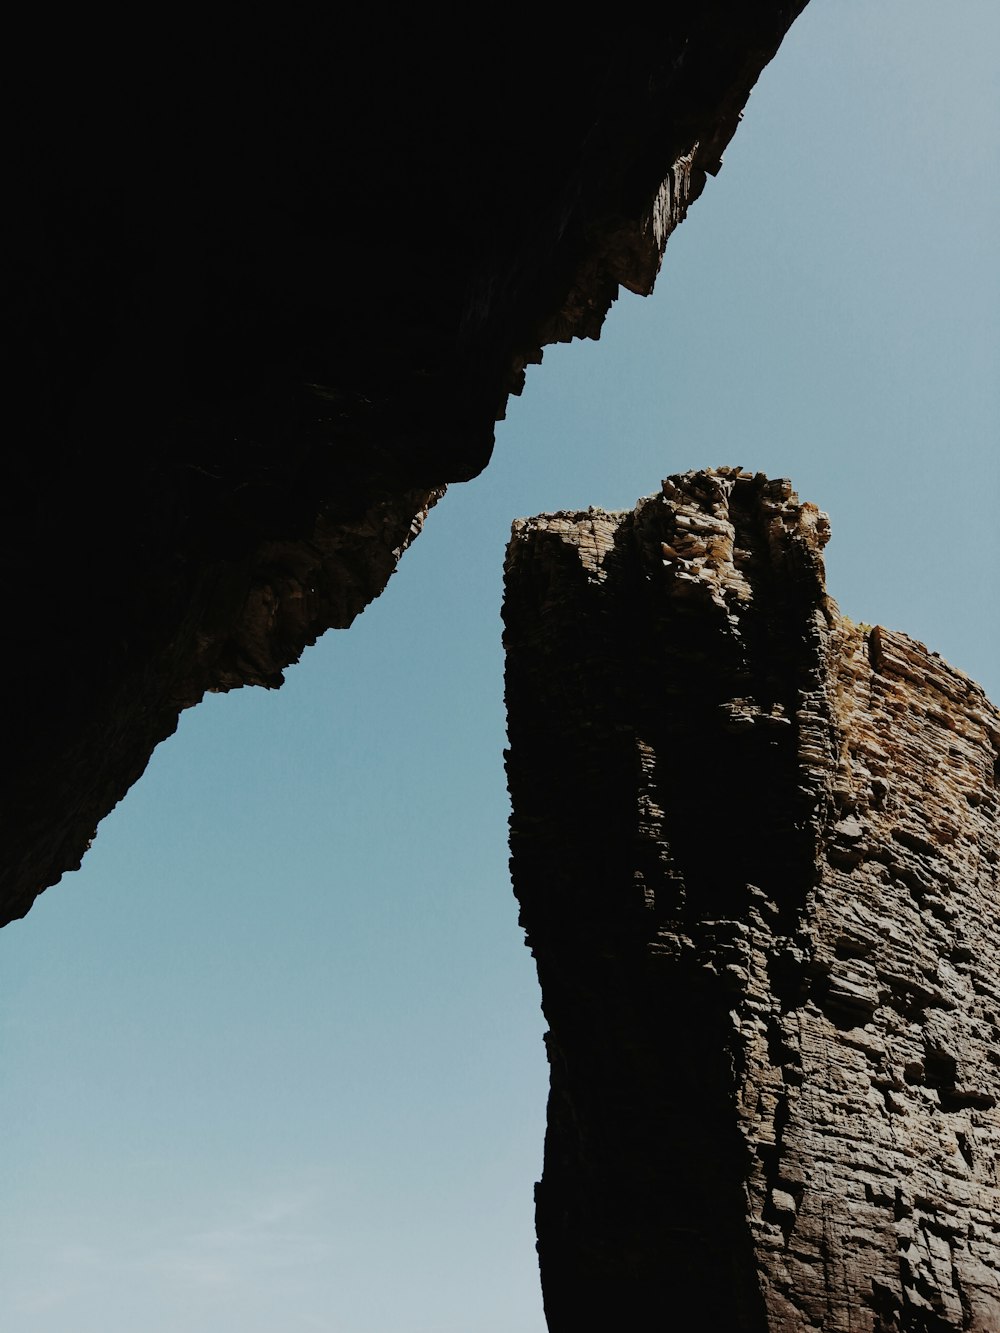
756, 850
271, 280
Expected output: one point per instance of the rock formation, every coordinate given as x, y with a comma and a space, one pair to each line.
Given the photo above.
755, 847
272, 279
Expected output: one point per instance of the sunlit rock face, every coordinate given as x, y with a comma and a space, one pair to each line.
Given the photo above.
755, 848
272, 280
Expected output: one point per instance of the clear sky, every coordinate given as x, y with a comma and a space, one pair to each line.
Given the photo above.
272, 1059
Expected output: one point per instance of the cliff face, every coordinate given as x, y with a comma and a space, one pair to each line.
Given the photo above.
755, 848
272, 284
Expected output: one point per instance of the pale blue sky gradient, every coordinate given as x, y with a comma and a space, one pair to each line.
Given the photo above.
272, 1059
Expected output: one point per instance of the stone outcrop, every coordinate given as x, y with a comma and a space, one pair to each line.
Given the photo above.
271, 281
756, 851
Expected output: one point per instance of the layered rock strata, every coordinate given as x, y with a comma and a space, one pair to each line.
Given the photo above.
271, 281
755, 848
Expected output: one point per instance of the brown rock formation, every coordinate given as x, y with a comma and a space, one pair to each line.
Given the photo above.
271, 282
756, 850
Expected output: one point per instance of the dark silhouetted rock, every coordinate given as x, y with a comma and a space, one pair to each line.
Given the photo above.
271, 277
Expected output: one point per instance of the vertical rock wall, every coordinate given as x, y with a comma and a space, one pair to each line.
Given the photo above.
755, 848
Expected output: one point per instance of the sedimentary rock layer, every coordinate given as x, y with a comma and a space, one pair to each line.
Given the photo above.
755, 848
271, 280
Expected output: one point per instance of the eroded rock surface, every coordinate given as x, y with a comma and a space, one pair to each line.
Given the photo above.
271, 280
756, 851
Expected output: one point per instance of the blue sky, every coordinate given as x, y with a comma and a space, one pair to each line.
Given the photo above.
272, 1059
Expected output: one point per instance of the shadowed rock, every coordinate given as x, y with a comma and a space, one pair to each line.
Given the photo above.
271, 281
755, 848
